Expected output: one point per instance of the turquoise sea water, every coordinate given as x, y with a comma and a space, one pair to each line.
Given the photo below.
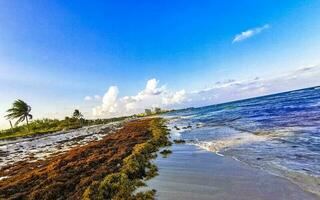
278, 133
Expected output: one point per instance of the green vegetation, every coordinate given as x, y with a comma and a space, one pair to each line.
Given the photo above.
77, 114
20, 110
43, 126
68, 175
135, 168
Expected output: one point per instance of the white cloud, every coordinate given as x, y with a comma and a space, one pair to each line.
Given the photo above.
176, 98
151, 88
242, 89
151, 96
91, 98
109, 102
154, 95
97, 97
87, 98
249, 33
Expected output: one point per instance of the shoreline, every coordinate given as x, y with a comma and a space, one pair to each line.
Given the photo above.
110, 168
182, 171
192, 173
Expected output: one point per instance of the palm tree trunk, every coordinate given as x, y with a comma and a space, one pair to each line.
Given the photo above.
27, 124
11, 126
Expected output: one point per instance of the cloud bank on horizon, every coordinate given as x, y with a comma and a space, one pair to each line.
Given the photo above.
154, 95
249, 33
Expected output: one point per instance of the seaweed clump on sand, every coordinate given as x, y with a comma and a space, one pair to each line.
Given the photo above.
136, 168
165, 152
112, 168
180, 141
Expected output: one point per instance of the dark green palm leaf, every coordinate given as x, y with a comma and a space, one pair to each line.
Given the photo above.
21, 119
77, 114
20, 110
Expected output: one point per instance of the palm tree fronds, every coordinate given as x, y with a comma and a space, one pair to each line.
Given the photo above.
20, 110
21, 119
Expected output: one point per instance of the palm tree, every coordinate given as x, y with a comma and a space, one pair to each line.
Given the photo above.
21, 111
78, 115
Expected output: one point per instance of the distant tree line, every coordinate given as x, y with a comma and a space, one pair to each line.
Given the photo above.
20, 111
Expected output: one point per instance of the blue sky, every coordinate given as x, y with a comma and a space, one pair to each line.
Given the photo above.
53, 54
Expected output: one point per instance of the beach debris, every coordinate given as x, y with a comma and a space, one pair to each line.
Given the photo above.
187, 127
179, 141
177, 128
165, 152
110, 168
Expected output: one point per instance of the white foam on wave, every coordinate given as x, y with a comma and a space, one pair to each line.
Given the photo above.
305, 181
242, 138
175, 134
297, 91
228, 142
188, 116
317, 104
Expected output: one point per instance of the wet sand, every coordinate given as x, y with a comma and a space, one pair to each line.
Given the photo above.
192, 173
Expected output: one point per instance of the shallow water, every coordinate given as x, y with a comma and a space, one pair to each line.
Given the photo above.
278, 133
192, 173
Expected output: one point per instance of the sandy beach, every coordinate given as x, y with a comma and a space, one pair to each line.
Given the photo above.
40, 147
192, 173
109, 168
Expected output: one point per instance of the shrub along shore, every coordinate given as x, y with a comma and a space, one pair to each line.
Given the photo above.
44, 126
112, 168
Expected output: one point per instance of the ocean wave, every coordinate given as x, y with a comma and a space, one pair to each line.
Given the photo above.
278, 133
228, 142
317, 104
308, 182
188, 116
297, 92
305, 181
